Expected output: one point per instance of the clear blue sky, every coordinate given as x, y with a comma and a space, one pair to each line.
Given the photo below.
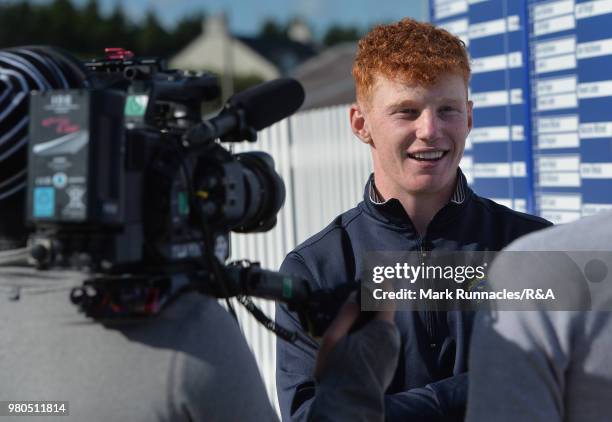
246, 16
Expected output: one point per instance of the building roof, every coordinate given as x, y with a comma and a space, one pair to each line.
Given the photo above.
283, 53
327, 77
266, 57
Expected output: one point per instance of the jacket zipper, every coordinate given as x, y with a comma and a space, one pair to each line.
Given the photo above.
429, 311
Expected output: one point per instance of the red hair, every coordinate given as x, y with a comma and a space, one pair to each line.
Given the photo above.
410, 51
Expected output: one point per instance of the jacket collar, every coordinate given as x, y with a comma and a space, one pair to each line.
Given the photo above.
391, 211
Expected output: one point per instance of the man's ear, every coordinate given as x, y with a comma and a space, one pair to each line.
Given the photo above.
358, 124
470, 115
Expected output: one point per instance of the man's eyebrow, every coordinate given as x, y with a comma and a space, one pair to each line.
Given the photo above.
403, 104
445, 100
415, 104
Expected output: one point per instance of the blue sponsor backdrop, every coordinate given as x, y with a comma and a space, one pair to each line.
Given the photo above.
542, 92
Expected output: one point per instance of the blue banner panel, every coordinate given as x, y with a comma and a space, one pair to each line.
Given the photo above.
500, 157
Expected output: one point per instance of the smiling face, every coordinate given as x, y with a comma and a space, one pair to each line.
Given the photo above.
416, 133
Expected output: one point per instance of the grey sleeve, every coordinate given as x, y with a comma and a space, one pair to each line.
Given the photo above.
519, 359
518, 362
360, 368
215, 377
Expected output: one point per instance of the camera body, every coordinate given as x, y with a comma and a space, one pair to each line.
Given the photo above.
127, 183
115, 182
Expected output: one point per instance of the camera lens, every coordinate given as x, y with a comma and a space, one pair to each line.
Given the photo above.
264, 192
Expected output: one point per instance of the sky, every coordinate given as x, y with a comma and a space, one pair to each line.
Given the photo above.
246, 16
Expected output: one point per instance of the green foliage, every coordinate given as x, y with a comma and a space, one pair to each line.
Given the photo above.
188, 28
86, 32
271, 29
152, 38
337, 34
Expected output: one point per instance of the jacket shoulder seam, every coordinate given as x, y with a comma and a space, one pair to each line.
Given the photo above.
321, 235
500, 209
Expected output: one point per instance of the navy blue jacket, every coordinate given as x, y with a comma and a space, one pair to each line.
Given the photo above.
430, 383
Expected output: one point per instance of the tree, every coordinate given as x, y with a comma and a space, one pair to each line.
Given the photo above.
115, 31
337, 34
85, 32
272, 30
60, 26
153, 40
89, 29
187, 29
22, 13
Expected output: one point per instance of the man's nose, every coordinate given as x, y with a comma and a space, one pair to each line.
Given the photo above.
428, 126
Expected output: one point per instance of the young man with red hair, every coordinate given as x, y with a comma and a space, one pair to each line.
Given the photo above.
413, 112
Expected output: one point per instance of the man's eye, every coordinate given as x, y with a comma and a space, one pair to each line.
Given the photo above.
409, 111
448, 109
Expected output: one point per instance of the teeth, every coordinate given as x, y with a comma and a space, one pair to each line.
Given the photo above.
434, 155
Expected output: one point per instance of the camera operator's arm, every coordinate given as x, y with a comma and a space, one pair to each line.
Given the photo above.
354, 370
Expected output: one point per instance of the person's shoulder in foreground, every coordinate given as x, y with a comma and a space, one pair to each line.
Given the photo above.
550, 362
173, 367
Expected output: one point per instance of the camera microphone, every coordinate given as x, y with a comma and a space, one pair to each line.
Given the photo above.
269, 103
251, 110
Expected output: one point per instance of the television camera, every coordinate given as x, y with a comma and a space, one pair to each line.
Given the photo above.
126, 181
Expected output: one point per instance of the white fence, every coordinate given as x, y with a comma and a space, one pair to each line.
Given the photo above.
324, 167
